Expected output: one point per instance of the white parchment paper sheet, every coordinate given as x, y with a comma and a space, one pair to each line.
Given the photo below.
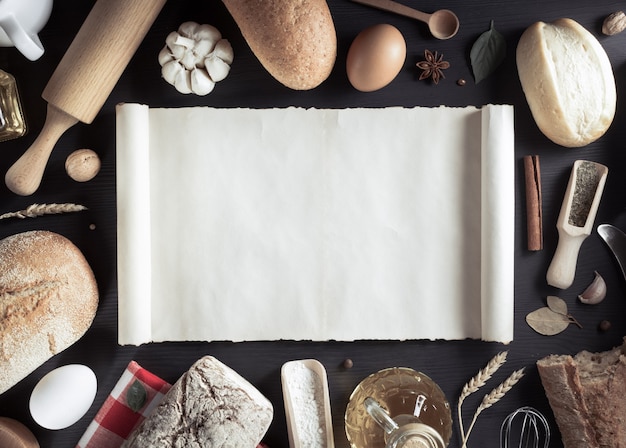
315, 224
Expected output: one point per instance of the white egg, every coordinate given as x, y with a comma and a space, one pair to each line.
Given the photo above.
63, 396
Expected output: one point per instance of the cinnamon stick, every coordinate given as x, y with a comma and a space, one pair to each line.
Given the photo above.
534, 224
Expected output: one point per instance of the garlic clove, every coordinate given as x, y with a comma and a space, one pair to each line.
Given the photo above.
188, 60
183, 82
208, 33
176, 75
224, 50
217, 69
202, 50
177, 51
186, 42
188, 29
171, 39
165, 56
201, 83
171, 71
595, 292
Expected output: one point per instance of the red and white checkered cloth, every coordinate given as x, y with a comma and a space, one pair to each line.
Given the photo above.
115, 420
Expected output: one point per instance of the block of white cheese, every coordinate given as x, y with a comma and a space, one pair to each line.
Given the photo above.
210, 406
568, 81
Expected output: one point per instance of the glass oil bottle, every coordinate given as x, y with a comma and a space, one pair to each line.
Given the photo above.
12, 123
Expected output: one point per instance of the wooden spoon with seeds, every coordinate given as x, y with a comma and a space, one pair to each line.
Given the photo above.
576, 219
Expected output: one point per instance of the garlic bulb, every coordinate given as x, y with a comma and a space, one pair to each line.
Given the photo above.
195, 57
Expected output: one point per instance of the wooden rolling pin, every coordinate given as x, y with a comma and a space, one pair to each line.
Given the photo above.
84, 78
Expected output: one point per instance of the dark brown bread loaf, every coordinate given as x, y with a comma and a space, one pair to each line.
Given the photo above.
587, 394
48, 300
210, 406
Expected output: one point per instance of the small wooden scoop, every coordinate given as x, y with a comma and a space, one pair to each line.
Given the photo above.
443, 23
289, 377
576, 219
84, 78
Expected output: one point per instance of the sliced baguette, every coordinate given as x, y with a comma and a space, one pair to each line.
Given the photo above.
587, 394
568, 81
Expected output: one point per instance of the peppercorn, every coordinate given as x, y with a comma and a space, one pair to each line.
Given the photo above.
460, 82
604, 325
347, 364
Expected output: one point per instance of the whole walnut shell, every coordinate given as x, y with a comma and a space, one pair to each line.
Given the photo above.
82, 165
614, 23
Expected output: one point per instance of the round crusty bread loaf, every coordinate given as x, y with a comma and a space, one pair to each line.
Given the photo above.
568, 81
294, 40
48, 300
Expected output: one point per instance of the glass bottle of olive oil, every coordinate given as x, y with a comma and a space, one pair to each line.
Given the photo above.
12, 123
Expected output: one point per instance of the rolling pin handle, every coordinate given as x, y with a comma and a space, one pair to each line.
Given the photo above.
24, 177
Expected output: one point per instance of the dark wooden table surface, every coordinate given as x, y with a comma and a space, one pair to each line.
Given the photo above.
449, 363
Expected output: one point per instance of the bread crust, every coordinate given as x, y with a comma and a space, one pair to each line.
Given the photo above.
587, 394
294, 40
48, 300
568, 81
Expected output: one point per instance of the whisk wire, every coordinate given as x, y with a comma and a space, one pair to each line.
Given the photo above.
533, 427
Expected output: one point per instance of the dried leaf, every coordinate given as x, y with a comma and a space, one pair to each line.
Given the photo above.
547, 322
136, 396
557, 305
487, 53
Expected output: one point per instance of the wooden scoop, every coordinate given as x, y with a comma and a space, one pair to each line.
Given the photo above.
292, 400
576, 218
84, 78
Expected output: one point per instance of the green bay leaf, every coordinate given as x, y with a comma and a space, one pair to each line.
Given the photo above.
487, 53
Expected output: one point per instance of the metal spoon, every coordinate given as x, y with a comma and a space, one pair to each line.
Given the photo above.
443, 24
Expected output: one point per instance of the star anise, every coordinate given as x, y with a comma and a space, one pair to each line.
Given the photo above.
433, 66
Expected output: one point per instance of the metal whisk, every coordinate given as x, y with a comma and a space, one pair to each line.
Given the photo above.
525, 428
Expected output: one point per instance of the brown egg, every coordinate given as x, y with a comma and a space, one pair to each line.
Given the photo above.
375, 57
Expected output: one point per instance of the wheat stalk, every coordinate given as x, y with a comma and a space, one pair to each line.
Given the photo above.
478, 381
35, 210
493, 397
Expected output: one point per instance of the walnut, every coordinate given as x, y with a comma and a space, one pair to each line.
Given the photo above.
615, 23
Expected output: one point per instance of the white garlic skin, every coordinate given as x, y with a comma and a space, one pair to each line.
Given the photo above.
595, 292
195, 57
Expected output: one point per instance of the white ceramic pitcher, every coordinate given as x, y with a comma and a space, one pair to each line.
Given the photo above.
20, 21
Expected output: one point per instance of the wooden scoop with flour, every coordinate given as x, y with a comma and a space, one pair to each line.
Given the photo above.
84, 78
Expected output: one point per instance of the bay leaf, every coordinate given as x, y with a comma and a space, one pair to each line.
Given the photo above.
547, 322
487, 53
557, 305
136, 396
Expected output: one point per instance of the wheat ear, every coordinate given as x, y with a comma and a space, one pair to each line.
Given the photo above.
34, 210
478, 381
493, 397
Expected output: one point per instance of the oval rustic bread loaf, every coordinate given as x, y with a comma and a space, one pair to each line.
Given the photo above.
48, 299
294, 40
568, 81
